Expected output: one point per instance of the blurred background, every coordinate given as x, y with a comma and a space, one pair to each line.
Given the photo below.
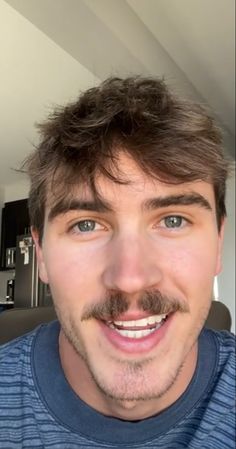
51, 50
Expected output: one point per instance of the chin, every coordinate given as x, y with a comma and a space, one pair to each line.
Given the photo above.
134, 381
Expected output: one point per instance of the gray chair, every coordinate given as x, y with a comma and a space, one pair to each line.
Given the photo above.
219, 317
16, 322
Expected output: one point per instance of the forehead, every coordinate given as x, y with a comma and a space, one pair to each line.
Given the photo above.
135, 187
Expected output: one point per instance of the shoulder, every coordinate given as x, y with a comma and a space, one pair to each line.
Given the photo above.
225, 341
224, 337
225, 345
223, 380
226, 369
16, 354
212, 420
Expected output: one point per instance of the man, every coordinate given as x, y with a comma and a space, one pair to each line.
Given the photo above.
127, 205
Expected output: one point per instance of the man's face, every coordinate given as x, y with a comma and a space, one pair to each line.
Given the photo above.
132, 278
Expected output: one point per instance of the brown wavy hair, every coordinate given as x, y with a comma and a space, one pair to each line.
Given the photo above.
170, 139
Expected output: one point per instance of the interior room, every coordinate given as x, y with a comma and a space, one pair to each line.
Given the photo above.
53, 50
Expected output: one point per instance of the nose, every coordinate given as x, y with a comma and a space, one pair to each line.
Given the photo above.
131, 266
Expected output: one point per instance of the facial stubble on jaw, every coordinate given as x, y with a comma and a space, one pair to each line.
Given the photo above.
112, 307
125, 375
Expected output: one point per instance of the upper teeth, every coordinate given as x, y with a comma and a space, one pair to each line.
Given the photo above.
154, 319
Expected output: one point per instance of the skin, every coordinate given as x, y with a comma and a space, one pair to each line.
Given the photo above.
131, 250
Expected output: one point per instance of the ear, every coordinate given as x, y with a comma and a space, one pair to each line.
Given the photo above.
40, 258
220, 247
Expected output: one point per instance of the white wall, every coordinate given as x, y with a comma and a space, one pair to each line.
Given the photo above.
36, 75
16, 191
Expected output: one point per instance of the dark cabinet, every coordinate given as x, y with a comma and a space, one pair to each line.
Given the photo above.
15, 221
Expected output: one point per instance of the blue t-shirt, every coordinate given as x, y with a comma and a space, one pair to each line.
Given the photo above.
39, 409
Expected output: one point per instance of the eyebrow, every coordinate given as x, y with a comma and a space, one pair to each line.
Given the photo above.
65, 205
102, 206
187, 199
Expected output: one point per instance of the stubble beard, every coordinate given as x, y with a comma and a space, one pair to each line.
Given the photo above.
136, 380
132, 381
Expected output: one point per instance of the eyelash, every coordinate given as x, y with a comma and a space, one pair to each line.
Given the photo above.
184, 222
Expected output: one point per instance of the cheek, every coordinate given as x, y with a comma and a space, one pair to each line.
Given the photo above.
194, 265
72, 270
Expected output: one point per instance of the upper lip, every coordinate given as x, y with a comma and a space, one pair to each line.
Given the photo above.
132, 316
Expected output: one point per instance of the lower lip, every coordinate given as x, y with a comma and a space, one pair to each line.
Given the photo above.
135, 345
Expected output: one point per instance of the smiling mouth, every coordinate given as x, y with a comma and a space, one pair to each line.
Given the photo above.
135, 329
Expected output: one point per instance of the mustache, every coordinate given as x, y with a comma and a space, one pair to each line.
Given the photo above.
116, 303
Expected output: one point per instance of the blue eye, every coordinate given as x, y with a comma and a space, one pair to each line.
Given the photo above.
88, 228
173, 221
86, 225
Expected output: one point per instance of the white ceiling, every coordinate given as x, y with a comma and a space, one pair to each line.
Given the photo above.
52, 49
